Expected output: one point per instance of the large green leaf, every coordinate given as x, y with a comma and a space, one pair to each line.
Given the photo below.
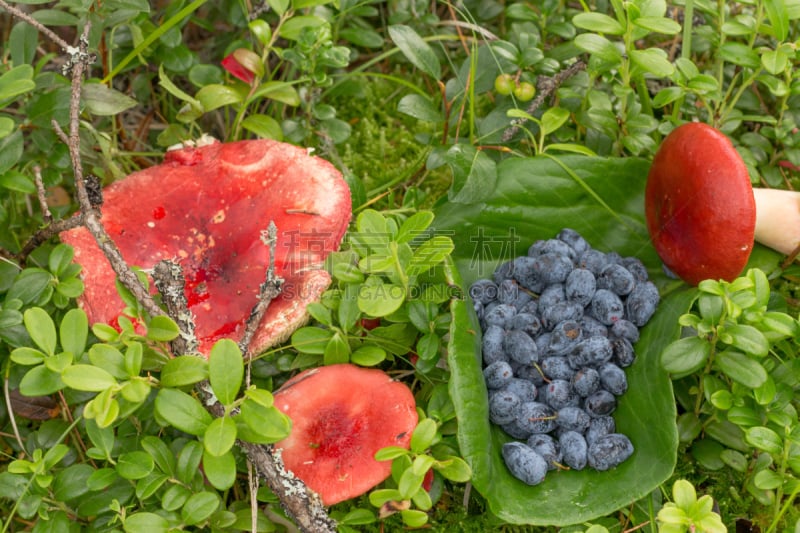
534, 199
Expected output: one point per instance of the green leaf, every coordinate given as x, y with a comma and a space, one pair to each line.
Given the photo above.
105, 101
739, 54
554, 118
280, 91
534, 196
380, 299
220, 470
134, 465
87, 378
145, 523
41, 329
748, 339
455, 469
220, 436
311, 340
184, 370
764, 439
16, 82
279, 6
598, 46
654, 61
775, 61
419, 107
265, 424
416, 50
73, 331
336, 351
264, 126
199, 507
741, 368
188, 464
226, 370
658, 25
109, 359
474, 174
213, 96
27, 356
414, 226
598, 22
162, 328
182, 411
161, 454
423, 435
778, 17
685, 356
368, 355
293, 26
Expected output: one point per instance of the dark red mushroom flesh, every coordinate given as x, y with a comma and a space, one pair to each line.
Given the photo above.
699, 205
206, 208
341, 416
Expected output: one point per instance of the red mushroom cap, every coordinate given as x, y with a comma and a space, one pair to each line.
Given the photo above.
699, 205
341, 415
206, 208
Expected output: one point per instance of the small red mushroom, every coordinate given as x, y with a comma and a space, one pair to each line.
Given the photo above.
702, 212
207, 207
341, 416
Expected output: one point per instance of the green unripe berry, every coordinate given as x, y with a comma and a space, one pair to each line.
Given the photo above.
524, 91
504, 84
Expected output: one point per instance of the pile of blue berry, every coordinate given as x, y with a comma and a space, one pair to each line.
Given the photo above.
558, 327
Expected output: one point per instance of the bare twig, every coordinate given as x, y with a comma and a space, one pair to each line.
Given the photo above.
268, 291
170, 282
545, 87
18, 13
41, 193
91, 217
43, 235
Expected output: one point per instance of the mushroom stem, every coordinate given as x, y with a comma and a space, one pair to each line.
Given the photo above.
778, 219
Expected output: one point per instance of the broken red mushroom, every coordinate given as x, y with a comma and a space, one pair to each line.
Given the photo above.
207, 207
341, 416
702, 212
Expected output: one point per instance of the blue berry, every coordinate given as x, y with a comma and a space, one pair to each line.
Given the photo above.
531, 307
559, 394
551, 295
527, 276
492, 345
617, 279
580, 286
527, 322
536, 417
623, 352
586, 381
593, 351
509, 292
592, 260
571, 418
536, 248
558, 247
520, 347
547, 447
625, 329
564, 338
599, 426
613, 379
530, 373
502, 406
552, 268
600, 403
591, 327
500, 315
560, 312
524, 463
504, 271
483, 291
479, 309
497, 374
524, 389
556, 367
607, 307
641, 303
636, 267
574, 239
609, 451
573, 449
